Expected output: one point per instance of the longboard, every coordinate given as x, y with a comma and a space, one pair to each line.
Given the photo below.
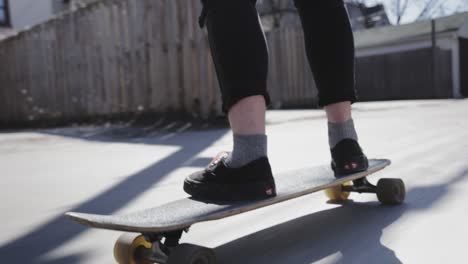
169, 220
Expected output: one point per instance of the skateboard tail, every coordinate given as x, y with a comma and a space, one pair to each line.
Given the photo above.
80, 218
93, 221
108, 222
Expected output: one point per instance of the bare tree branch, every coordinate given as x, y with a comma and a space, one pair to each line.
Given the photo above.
428, 8
399, 10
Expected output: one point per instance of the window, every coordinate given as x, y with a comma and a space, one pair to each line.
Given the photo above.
4, 15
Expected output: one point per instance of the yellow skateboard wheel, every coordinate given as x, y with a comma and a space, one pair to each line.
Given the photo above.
336, 193
125, 247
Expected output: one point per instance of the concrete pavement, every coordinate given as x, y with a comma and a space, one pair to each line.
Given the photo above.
117, 169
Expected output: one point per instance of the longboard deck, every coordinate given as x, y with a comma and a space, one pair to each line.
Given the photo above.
185, 212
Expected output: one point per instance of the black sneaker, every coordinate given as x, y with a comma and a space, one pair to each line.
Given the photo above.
218, 182
347, 158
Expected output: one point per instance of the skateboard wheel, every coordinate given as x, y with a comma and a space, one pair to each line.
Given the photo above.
125, 248
391, 191
191, 254
336, 193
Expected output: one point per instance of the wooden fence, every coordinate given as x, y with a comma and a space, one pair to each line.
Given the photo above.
109, 58
120, 57
405, 75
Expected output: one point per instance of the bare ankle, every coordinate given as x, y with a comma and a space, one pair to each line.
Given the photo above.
248, 115
338, 112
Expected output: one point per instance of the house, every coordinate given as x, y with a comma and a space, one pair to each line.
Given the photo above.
282, 13
431, 57
363, 17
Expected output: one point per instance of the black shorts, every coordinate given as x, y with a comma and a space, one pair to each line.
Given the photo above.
240, 52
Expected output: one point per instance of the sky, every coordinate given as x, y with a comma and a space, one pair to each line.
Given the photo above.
414, 9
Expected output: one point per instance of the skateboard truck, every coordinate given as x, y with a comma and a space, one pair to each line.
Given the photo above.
154, 254
158, 248
171, 239
361, 185
161, 245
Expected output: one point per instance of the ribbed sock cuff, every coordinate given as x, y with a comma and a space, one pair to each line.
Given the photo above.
247, 148
340, 131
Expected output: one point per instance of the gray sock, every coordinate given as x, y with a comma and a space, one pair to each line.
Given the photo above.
340, 131
247, 148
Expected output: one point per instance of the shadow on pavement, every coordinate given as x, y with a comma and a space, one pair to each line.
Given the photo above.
33, 246
352, 231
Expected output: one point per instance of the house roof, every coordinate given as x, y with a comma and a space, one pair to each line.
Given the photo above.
393, 34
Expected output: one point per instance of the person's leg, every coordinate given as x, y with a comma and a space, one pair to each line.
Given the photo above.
247, 120
247, 116
238, 48
329, 48
338, 112
341, 132
330, 51
240, 55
